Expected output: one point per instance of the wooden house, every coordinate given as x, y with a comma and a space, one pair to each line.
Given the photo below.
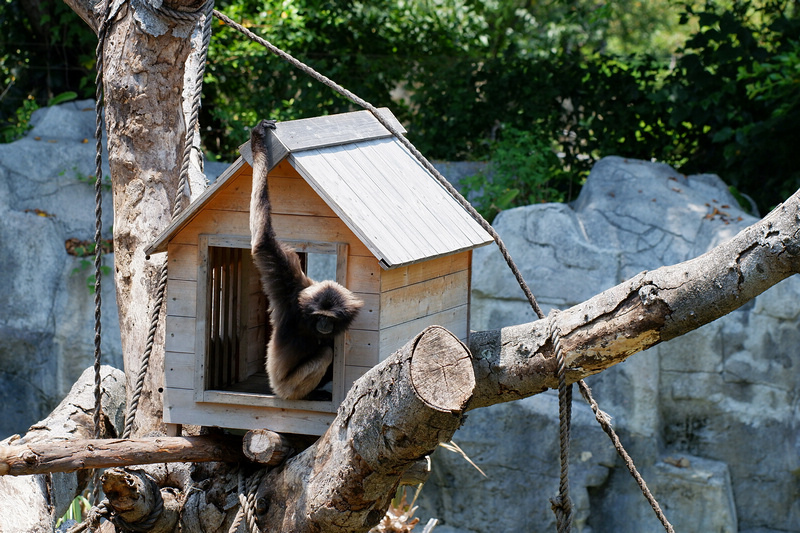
359, 209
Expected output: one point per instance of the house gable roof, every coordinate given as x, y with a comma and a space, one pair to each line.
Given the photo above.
371, 181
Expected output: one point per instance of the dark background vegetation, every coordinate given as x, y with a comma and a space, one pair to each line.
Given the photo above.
541, 89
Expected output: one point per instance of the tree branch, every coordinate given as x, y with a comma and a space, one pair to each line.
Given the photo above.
394, 414
655, 306
71, 455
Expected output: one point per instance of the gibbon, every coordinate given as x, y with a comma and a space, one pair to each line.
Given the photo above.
305, 315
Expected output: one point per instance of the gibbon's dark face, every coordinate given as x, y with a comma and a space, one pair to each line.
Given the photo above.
330, 307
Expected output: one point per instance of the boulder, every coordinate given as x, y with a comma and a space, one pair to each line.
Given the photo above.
46, 304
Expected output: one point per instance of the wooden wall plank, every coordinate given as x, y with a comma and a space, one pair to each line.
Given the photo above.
368, 317
179, 370
182, 298
364, 274
362, 347
180, 336
180, 408
422, 299
454, 320
419, 272
182, 261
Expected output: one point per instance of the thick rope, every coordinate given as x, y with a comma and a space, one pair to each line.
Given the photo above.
605, 423
562, 505
247, 502
98, 239
181, 193
237, 520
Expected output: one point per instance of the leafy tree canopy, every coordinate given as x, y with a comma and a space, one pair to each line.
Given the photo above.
706, 87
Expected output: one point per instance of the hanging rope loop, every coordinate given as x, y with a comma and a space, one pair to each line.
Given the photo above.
102, 32
247, 501
562, 505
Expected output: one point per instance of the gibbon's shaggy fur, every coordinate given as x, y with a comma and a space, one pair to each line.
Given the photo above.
305, 315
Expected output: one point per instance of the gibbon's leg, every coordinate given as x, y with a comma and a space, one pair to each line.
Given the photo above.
296, 383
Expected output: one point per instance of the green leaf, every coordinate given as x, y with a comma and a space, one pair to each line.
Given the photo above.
63, 97
722, 135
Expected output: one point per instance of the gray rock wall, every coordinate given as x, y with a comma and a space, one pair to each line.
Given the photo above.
46, 307
712, 419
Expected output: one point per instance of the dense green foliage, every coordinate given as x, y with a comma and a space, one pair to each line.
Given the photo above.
46, 53
705, 87
523, 170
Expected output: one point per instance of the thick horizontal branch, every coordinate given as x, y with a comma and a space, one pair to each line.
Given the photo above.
393, 417
655, 306
71, 455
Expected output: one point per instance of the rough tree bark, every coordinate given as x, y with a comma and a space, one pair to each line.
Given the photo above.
399, 411
143, 80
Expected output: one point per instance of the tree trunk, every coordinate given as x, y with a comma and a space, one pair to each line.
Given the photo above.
143, 79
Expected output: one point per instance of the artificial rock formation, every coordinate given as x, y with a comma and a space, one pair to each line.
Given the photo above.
714, 428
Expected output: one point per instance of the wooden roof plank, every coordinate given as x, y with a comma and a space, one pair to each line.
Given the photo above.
346, 203
389, 187
402, 179
328, 130
379, 205
440, 203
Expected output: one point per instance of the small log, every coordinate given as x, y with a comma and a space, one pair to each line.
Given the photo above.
267, 447
71, 455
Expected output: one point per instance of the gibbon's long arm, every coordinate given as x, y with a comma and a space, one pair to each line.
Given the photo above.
305, 315
278, 264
